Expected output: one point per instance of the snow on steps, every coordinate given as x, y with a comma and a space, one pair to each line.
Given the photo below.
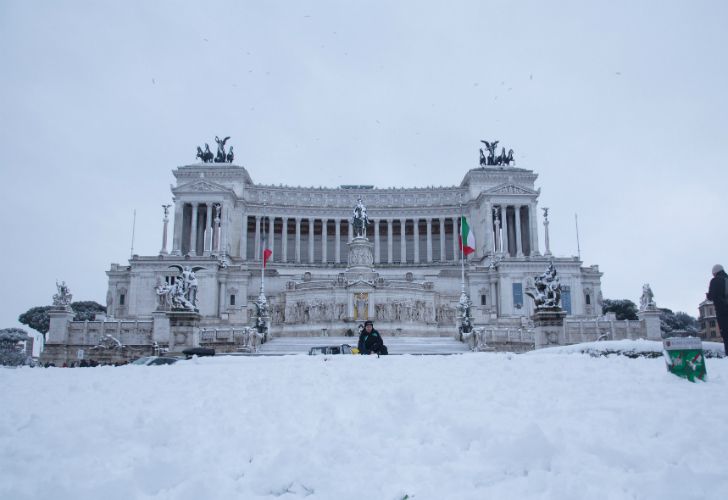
395, 345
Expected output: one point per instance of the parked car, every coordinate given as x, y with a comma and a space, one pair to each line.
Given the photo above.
155, 360
330, 349
198, 351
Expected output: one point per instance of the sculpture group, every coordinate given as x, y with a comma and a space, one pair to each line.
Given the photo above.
63, 298
182, 294
547, 293
502, 159
221, 157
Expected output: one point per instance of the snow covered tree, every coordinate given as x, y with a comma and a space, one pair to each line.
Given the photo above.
679, 321
622, 308
10, 353
38, 319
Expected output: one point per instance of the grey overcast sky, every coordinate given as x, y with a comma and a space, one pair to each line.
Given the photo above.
621, 107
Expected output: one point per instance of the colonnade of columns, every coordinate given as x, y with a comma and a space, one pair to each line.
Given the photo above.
514, 231
200, 228
313, 240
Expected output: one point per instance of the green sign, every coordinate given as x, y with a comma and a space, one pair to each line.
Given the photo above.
684, 357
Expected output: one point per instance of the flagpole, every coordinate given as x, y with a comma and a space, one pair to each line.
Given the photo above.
462, 250
262, 261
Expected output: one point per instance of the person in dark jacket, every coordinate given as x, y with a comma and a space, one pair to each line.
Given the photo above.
370, 341
717, 294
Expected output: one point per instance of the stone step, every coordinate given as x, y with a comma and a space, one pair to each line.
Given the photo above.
395, 345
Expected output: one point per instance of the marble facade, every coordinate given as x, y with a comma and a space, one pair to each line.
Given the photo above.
405, 275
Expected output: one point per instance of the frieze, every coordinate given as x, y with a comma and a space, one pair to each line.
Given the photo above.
416, 197
510, 189
201, 186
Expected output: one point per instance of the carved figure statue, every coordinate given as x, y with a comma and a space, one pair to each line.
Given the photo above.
490, 146
360, 219
262, 314
547, 293
230, 156
465, 320
221, 156
182, 295
483, 161
647, 301
63, 298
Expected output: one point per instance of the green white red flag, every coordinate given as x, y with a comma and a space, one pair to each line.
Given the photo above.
267, 252
467, 238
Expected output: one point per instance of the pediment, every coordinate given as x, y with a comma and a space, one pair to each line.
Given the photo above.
361, 283
201, 186
511, 189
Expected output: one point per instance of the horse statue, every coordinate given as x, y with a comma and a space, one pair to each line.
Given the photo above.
206, 155
230, 156
503, 158
360, 219
490, 146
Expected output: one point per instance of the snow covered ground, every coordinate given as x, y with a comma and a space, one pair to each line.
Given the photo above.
473, 426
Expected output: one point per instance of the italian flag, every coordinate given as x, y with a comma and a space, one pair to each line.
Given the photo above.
266, 251
467, 239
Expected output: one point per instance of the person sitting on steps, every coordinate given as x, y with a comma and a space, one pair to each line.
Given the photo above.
370, 341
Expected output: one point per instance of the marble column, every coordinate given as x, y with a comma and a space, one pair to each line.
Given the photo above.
220, 242
519, 242
257, 238
298, 240
416, 237
165, 223
455, 240
284, 240
532, 211
390, 237
310, 239
403, 240
193, 231
504, 231
221, 302
488, 229
207, 245
244, 238
429, 240
177, 236
324, 240
442, 239
376, 241
351, 231
271, 237
337, 233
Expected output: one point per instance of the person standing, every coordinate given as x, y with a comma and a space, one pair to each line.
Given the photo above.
370, 341
717, 294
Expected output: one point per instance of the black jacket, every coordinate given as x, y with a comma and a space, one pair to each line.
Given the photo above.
716, 293
370, 342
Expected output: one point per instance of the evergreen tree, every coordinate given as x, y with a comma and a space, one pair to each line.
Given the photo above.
622, 308
10, 353
38, 319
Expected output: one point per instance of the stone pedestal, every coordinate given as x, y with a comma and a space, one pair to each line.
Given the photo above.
549, 327
58, 330
161, 328
361, 256
184, 330
650, 319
